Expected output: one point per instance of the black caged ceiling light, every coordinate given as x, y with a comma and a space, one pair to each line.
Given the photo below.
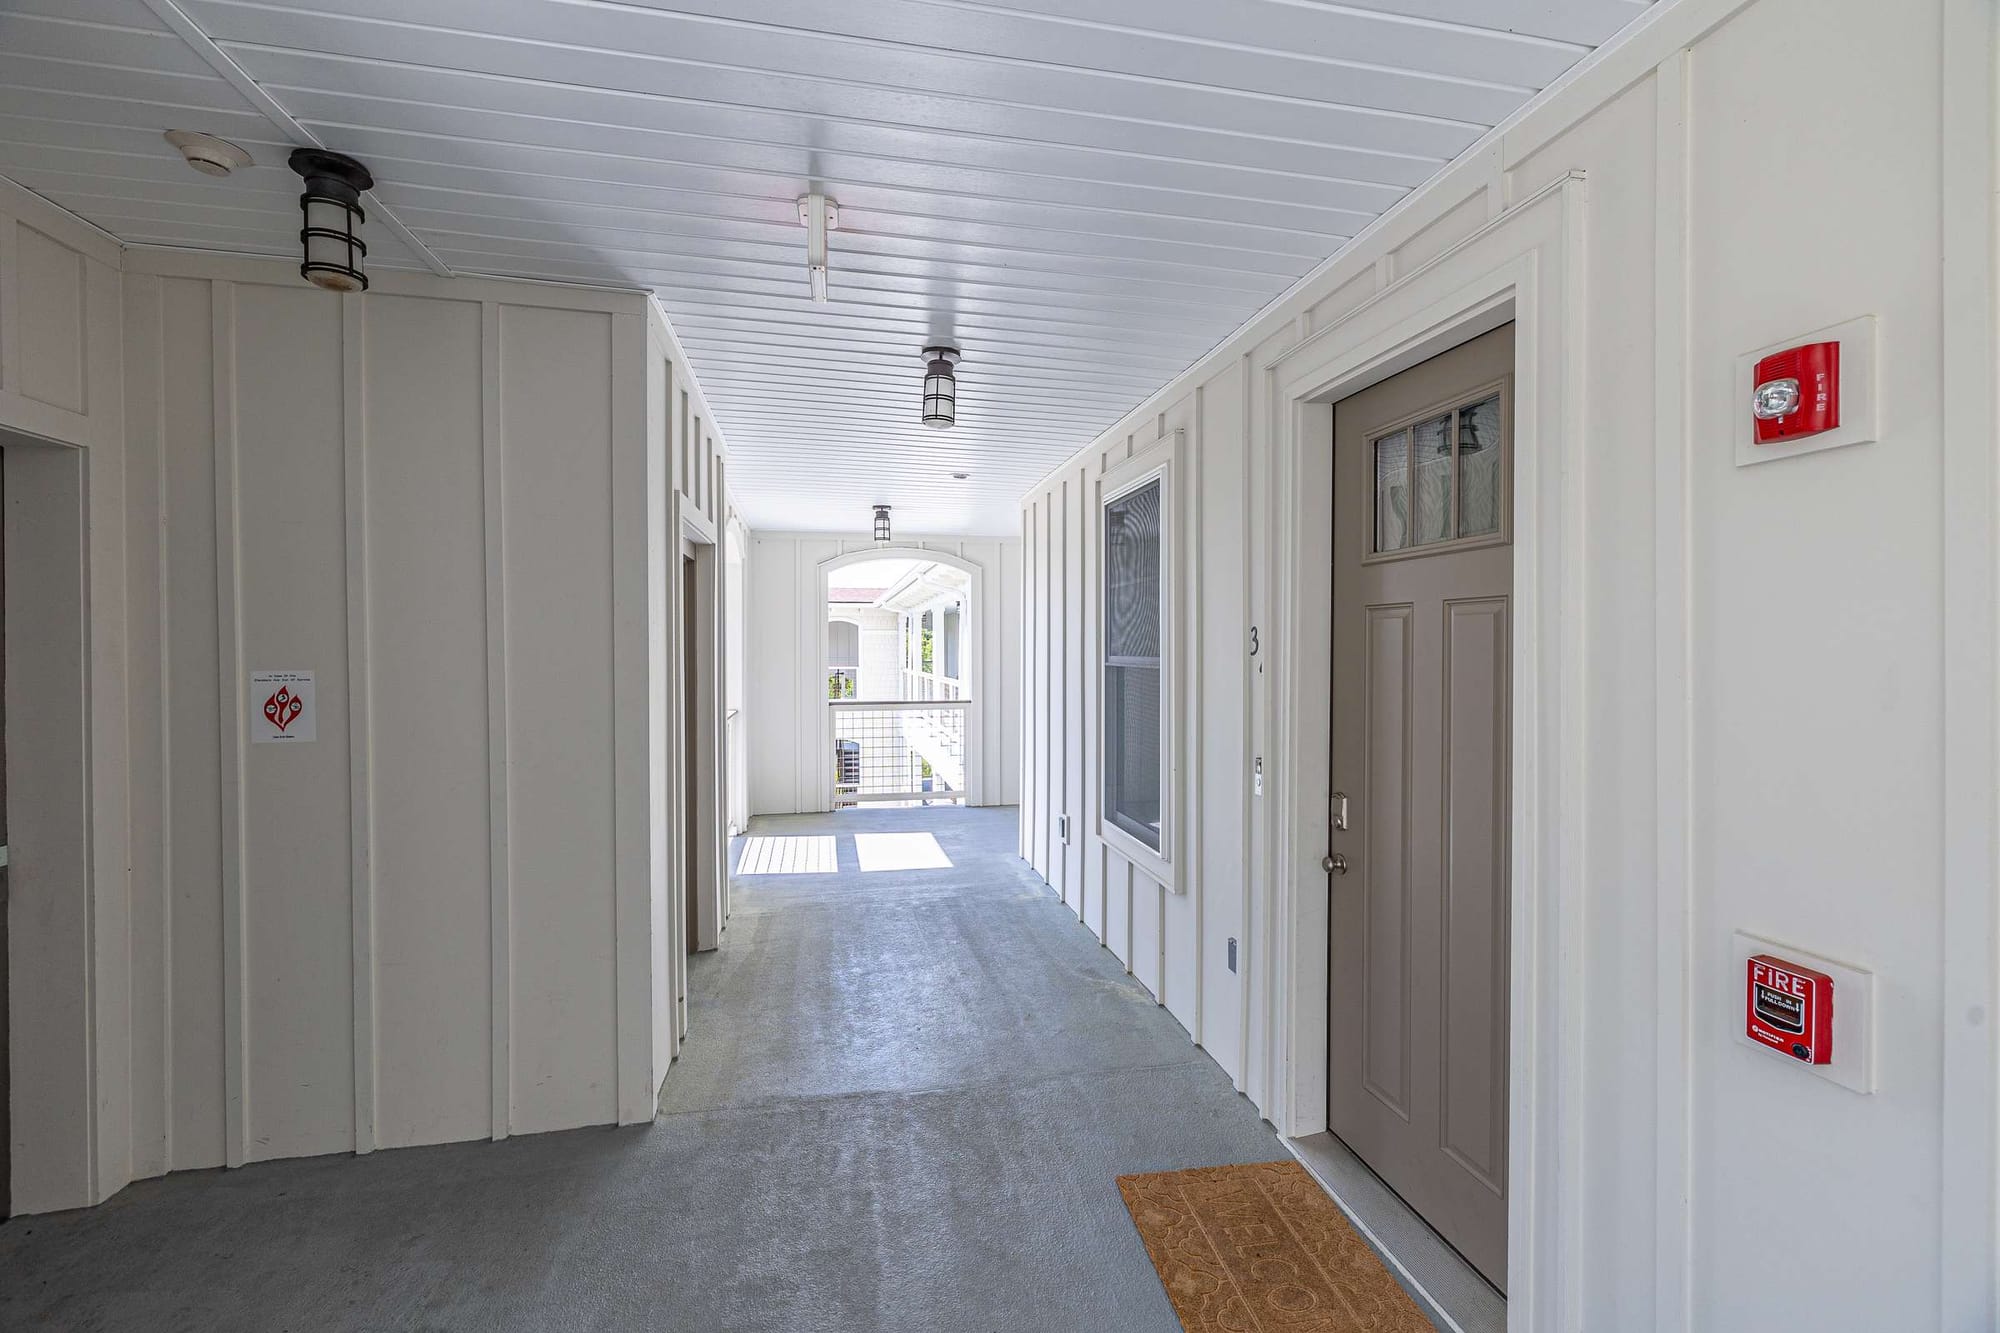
940, 387
331, 236
881, 525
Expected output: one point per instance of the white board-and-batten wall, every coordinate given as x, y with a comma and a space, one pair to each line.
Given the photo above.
1772, 694
452, 915
785, 674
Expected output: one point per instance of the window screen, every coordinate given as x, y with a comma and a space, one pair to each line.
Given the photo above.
1132, 735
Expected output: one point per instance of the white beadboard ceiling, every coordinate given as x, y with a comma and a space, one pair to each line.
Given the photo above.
1083, 195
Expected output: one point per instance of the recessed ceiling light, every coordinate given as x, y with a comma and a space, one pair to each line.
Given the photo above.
206, 153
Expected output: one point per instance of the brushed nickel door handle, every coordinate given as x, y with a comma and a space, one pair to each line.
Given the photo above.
1333, 863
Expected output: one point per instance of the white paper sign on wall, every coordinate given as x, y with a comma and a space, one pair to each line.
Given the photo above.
282, 707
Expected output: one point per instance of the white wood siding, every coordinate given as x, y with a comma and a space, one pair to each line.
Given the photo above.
438, 921
1761, 649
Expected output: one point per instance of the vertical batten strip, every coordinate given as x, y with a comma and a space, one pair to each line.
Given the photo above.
1190, 876
1032, 800
1034, 797
150, 919
229, 685
678, 887
974, 675
1002, 712
1058, 702
10, 303
155, 355
499, 805
714, 793
1085, 648
360, 732
1673, 701
724, 767
676, 848
816, 737
97, 294
1971, 648
631, 829
1245, 965
1051, 693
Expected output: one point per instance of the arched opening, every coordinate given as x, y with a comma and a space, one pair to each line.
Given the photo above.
898, 662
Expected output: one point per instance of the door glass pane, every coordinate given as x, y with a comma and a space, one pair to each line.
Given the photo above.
1392, 491
1479, 468
1431, 441
1132, 722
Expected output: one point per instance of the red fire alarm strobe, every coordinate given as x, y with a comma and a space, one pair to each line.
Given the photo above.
1789, 1008
1798, 392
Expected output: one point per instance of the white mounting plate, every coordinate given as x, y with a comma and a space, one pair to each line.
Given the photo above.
1857, 394
832, 213
1853, 1063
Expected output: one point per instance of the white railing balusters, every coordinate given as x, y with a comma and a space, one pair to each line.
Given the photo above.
906, 750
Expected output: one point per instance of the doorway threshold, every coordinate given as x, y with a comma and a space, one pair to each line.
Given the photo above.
1447, 1288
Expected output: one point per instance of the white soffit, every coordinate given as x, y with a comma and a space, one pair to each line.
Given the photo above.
1083, 195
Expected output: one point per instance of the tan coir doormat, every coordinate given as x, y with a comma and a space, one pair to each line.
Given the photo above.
1258, 1249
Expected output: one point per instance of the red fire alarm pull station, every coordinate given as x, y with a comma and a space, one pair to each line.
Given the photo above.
1798, 392
1789, 1008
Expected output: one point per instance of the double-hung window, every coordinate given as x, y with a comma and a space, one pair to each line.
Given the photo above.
1134, 638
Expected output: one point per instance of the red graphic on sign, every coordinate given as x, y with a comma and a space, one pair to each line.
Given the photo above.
283, 708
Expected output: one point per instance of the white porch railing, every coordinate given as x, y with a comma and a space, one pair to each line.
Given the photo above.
905, 751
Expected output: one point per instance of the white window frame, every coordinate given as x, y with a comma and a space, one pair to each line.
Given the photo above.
1154, 462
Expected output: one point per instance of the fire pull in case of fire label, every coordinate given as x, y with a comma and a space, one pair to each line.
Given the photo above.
1789, 1008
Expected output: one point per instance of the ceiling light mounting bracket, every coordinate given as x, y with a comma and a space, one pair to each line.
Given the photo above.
818, 215
806, 210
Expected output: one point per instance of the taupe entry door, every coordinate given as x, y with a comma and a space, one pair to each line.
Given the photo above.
1422, 569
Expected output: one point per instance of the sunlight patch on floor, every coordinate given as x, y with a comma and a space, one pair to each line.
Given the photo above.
788, 856
900, 851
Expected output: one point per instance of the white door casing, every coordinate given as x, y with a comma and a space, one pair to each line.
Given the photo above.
1523, 266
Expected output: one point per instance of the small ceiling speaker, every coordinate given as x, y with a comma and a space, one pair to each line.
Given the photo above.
207, 154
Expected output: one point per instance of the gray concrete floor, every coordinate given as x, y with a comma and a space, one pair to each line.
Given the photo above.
903, 1105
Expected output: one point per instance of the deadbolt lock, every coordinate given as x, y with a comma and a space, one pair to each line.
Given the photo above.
1333, 863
